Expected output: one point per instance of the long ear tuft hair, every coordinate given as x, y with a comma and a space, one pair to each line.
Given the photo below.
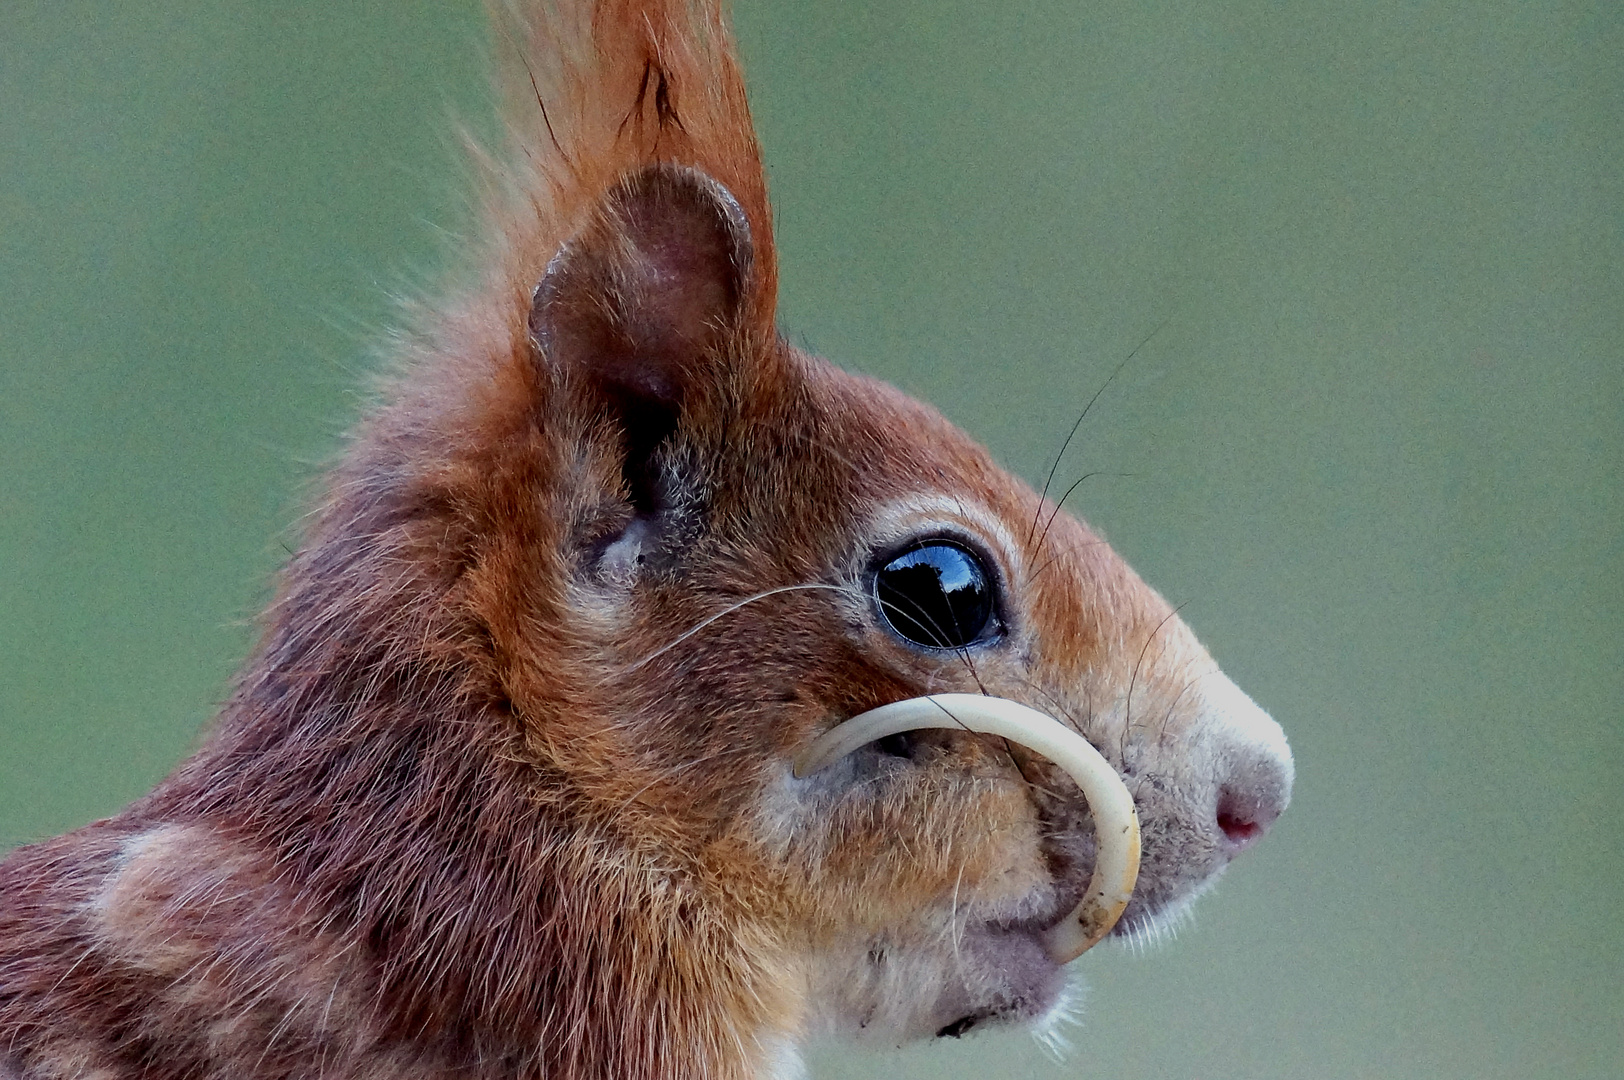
594, 93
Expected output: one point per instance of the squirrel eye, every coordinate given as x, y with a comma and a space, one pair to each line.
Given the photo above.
936, 594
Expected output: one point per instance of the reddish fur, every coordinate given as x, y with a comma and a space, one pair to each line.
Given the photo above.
461, 816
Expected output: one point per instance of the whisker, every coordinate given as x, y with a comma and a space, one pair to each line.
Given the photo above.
1072, 434
685, 766
730, 609
1061, 502
955, 931
1167, 717
1127, 721
919, 615
1052, 700
1051, 560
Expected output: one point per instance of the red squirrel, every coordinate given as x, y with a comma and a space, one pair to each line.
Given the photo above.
507, 788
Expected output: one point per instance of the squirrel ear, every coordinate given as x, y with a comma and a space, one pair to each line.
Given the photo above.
640, 299
636, 309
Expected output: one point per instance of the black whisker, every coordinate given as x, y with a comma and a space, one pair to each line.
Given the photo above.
1127, 720
1049, 480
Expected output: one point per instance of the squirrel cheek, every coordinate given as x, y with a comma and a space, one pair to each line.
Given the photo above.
895, 842
912, 894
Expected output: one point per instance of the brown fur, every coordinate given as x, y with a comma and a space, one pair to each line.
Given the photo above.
504, 791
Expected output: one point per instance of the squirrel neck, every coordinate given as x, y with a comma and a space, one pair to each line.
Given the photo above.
382, 838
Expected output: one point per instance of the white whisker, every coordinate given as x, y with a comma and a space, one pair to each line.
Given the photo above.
697, 627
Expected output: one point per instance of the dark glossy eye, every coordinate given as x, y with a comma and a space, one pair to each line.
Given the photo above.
936, 594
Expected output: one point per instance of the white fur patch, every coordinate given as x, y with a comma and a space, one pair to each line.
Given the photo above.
784, 1060
1225, 705
921, 513
1052, 1029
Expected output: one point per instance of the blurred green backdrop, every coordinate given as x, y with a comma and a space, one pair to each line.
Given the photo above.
1375, 447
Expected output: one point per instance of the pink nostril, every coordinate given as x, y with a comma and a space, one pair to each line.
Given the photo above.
1252, 769
1245, 815
1237, 830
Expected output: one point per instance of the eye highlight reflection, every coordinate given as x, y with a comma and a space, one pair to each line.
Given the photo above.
936, 594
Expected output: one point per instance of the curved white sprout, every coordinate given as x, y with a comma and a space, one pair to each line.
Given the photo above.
1116, 826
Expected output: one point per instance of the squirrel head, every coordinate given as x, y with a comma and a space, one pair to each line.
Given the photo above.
608, 558
693, 548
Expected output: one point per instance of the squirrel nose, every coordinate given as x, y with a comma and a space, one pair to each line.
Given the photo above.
1254, 767
1249, 801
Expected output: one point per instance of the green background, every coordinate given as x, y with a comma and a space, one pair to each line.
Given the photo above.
1375, 447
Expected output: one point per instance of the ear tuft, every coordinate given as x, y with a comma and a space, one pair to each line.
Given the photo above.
640, 299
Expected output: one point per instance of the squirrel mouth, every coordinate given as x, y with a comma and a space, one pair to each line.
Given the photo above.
1015, 980
1116, 825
